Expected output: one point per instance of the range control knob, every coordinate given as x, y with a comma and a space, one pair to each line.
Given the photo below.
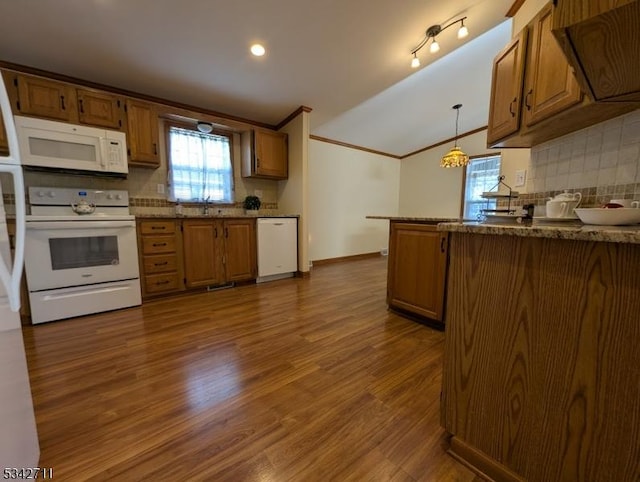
119, 197
109, 196
40, 194
52, 194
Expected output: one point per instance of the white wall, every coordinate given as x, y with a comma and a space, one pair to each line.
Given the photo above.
345, 186
293, 194
428, 190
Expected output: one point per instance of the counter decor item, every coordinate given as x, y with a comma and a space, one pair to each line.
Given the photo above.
563, 205
497, 214
251, 204
609, 216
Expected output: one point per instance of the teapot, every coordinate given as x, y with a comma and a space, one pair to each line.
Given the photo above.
83, 207
562, 205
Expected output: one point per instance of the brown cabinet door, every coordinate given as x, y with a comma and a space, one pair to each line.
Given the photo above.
271, 156
550, 85
99, 109
143, 134
600, 40
45, 98
506, 89
203, 244
417, 269
4, 142
240, 249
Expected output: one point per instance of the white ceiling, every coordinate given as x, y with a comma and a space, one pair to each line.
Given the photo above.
346, 59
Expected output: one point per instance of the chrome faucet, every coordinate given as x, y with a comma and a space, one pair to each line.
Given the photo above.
205, 206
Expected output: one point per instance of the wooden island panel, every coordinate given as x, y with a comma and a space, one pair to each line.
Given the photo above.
542, 358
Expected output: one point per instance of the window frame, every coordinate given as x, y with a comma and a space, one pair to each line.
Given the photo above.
464, 177
217, 130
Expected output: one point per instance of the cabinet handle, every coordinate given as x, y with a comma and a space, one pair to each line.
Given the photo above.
159, 244
161, 264
526, 99
165, 282
226, 232
155, 149
158, 227
81, 106
511, 106
62, 103
257, 162
215, 230
442, 241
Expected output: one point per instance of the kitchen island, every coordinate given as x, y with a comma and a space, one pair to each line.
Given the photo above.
541, 375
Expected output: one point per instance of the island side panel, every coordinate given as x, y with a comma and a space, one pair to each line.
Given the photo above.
542, 355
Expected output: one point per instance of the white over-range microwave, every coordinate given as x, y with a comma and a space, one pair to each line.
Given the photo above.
59, 145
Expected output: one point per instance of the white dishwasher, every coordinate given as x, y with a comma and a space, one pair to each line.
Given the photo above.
277, 248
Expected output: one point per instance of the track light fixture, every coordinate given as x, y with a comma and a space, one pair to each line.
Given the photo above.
431, 34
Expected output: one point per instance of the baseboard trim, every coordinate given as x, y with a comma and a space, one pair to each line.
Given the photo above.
354, 257
481, 463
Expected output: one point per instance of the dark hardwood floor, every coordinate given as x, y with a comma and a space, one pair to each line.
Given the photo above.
293, 380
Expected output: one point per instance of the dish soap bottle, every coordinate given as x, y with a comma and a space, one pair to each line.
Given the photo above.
178, 208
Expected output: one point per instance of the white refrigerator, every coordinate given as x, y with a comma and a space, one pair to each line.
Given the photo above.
18, 436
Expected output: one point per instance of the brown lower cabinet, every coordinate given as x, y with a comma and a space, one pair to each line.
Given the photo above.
417, 269
160, 253
217, 251
182, 254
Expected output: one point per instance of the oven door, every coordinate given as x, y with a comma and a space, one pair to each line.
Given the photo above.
61, 254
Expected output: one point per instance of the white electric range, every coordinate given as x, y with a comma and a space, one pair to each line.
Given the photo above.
81, 253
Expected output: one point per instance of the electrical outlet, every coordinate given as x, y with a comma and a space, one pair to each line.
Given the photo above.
160, 188
258, 192
521, 177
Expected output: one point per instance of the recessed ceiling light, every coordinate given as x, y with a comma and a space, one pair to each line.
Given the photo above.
257, 50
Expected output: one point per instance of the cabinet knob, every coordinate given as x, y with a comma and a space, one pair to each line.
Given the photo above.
62, 106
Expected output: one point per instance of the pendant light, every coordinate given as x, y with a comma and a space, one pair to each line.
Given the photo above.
455, 157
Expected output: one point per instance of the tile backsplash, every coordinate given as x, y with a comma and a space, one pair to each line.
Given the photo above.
601, 156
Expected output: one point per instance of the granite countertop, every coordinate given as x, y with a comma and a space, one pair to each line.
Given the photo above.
574, 231
414, 219
215, 216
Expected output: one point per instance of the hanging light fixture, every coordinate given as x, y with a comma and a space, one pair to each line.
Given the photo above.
455, 157
431, 34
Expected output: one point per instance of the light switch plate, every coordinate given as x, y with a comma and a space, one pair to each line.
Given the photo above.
160, 188
521, 178
258, 192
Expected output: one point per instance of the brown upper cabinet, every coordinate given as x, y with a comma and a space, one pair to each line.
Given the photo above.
264, 154
600, 40
99, 109
506, 95
142, 134
550, 86
45, 98
549, 103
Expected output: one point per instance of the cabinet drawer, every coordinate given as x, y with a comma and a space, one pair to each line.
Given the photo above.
158, 244
158, 227
160, 263
157, 283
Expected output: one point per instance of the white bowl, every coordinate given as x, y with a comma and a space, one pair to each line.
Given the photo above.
609, 217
